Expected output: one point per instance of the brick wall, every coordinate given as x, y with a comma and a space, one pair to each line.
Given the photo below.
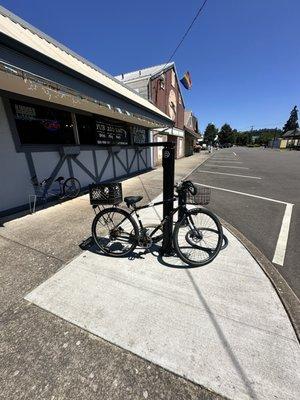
160, 97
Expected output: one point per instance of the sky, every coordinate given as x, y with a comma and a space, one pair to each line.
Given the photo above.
243, 55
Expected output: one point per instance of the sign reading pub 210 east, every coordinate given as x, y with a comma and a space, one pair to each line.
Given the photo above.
111, 134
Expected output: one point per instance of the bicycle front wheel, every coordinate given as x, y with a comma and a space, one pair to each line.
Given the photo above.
198, 237
71, 188
115, 232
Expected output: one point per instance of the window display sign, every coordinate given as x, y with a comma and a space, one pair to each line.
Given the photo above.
111, 134
139, 135
37, 124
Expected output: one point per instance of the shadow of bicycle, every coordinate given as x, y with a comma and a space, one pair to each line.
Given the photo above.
169, 261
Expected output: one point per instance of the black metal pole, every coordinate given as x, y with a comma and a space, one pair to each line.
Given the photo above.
181, 202
168, 163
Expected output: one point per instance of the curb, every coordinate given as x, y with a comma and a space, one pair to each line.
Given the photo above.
287, 296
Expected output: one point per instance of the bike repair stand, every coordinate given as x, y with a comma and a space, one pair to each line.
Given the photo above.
168, 163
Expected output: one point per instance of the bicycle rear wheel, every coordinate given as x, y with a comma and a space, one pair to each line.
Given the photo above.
71, 188
115, 232
198, 237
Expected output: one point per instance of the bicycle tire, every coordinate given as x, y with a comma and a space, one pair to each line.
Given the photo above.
186, 250
114, 250
69, 190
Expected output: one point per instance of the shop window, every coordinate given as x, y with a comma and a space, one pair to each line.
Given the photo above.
42, 125
98, 130
111, 133
86, 126
140, 135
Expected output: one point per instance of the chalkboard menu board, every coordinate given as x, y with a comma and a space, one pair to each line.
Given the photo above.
111, 133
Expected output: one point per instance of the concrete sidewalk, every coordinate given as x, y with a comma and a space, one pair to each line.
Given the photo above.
221, 326
44, 356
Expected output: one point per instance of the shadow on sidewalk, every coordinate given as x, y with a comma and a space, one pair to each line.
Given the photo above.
172, 261
175, 262
89, 245
225, 344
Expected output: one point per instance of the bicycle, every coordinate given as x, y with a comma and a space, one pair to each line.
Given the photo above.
197, 235
67, 188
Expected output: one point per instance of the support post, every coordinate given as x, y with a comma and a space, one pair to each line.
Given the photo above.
181, 202
168, 163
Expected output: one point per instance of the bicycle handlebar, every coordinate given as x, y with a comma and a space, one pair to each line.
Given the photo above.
186, 186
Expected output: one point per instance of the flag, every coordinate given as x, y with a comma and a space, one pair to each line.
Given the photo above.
186, 80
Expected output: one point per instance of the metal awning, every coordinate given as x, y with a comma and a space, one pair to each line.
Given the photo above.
22, 32
16, 80
171, 131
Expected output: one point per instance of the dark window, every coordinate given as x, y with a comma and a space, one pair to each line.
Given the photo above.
42, 125
102, 131
86, 129
111, 133
140, 134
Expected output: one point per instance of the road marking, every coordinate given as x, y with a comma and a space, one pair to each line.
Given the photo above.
223, 159
281, 245
226, 166
244, 194
233, 161
234, 153
280, 250
223, 173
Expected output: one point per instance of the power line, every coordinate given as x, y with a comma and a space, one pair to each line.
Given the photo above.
185, 35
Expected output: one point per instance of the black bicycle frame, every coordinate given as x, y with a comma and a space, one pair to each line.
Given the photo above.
181, 208
162, 222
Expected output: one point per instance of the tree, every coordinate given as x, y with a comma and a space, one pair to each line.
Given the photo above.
257, 136
226, 134
233, 136
241, 139
210, 133
292, 123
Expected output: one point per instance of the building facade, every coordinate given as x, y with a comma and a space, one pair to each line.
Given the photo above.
62, 115
191, 132
160, 85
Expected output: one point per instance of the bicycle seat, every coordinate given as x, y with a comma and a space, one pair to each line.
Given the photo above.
59, 179
130, 200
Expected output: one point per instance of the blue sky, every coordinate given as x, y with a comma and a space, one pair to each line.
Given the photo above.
243, 55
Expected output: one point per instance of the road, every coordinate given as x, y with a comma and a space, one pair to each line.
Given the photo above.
258, 191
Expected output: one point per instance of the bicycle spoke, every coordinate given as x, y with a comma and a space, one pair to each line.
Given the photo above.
198, 241
114, 232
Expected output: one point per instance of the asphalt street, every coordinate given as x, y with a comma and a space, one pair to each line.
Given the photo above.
257, 190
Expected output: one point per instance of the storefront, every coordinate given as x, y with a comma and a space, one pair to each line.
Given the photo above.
173, 135
291, 139
191, 132
61, 115
190, 138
